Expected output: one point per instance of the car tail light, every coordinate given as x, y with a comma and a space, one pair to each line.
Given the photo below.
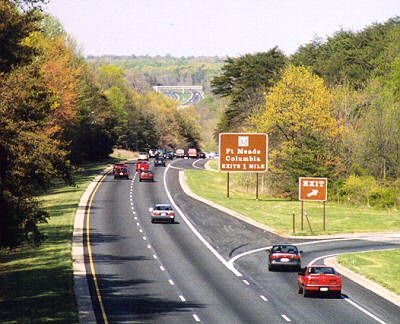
171, 213
156, 213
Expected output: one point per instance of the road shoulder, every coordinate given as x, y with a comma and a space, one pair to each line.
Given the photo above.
363, 281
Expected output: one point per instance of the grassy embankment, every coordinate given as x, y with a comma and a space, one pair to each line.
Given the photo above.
278, 213
36, 283
379, 266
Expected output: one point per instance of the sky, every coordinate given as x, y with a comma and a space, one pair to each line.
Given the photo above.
211, 27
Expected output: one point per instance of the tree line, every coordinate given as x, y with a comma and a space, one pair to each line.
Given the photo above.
57, 111
332, 109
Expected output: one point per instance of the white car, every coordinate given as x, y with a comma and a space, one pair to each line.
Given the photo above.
143, 156
213, 155
162, 213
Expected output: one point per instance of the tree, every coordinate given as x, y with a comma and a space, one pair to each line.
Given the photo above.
29, 159
304, 134
244, 81
14, 27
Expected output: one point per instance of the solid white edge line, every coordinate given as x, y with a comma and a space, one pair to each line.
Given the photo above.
171, 282
194, 230
346, 298
246, 282
365, 311
194, 164
286, 318
182, 298
235, 258
264, 298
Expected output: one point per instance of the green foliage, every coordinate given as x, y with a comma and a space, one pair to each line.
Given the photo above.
244, 80
29, 159
14, 27
352, 57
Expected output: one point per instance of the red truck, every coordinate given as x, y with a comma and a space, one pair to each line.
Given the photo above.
192, 153
142, 165
319, 278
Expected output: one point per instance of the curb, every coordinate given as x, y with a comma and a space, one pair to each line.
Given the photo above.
363, 281
81, 287
189, 192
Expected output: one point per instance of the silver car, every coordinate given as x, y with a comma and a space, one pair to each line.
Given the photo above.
162, 213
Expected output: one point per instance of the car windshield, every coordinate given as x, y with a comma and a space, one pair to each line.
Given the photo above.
163, 208
321, 270
284, 249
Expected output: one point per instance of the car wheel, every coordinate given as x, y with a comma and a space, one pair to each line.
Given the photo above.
172, 221
140, 180
270, 267
338, 294
305, 292
152, 180
115, 177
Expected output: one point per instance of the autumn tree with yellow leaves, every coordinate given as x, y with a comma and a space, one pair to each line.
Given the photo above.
304, 133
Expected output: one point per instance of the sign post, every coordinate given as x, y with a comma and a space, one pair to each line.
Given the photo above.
243, 152
313, 189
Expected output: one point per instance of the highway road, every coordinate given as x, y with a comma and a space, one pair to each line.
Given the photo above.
207, 267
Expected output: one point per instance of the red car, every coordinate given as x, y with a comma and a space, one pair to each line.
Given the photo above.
119, 166
142, 165
121, 173
146, 175
319, 278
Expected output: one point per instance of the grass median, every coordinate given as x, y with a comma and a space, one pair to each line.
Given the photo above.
278, 213
36, 283
379, 266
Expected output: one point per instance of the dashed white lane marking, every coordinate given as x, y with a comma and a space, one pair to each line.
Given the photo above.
162, 268
134, 214
144, 238
154, 256
182, 298
137, 224
246, 282
171, 282
141, 231
263, 298
196, 318
286, 318
135, 218
149, 246
132, 203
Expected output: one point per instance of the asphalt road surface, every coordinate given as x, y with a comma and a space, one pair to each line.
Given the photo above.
180, 273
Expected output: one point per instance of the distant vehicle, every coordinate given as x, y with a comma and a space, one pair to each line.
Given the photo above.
319, 278
159, 161
121, 173
118, 166
162, 213
161, 152
169, 155
147, 175
142, 165
213, 155
192, 153
202, 155
179, 153
143, 156
152, 153
284, 256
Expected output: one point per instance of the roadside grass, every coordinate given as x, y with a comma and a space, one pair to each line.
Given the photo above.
278, 213
36, 283
379, 266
